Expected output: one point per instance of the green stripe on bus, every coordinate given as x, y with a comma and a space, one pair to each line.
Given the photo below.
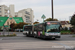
43, 32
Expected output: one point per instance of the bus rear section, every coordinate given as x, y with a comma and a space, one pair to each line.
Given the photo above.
27, 30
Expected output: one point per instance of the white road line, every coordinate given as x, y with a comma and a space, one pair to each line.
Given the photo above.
66, 46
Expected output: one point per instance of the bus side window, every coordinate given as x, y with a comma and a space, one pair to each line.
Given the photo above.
24, 28
40, 27
35, 28
60, 28
43, 28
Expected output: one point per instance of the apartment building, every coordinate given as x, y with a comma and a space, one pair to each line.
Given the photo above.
6, 11
3, 10
26, 14
11, 10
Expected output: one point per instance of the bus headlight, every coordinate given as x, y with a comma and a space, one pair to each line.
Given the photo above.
46, 34
58, 34
27, 31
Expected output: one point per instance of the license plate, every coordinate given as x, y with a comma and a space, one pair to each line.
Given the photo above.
52, 34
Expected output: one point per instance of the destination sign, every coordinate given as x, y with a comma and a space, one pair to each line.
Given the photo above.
51, 23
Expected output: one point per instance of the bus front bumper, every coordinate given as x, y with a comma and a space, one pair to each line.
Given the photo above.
52, 36
24, 33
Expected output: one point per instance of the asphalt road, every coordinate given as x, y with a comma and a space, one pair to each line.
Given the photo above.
21, 42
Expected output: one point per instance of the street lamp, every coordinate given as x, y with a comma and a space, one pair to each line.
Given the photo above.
52, 8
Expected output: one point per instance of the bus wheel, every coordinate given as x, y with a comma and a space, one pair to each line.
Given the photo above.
54, 38
44, 37
27, 35
35, 36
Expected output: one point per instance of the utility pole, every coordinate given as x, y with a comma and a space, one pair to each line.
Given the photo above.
52, 9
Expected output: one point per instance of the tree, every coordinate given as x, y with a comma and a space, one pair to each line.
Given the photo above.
35, 22
12, 26
19, 25
72, 21
15, 26
50, 19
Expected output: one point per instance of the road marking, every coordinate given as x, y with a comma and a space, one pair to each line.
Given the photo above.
65, 46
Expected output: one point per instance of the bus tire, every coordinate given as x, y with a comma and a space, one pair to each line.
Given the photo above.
35, 36
54, 38
44, 37
27, 35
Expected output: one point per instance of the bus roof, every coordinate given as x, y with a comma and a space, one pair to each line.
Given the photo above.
27, 25
52, 21
45, 22
42, 23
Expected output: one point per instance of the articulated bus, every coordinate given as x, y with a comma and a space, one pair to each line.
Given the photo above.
49, 29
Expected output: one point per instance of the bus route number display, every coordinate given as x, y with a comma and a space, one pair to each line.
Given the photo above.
48, 23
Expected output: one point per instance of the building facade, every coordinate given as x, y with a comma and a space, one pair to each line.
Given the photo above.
11, 10
66, 24
3, 10
26, 14
6, 11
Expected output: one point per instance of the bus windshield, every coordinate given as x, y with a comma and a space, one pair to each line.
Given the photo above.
52, 28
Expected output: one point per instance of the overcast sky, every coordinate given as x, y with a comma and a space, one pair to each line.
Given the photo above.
63, 9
